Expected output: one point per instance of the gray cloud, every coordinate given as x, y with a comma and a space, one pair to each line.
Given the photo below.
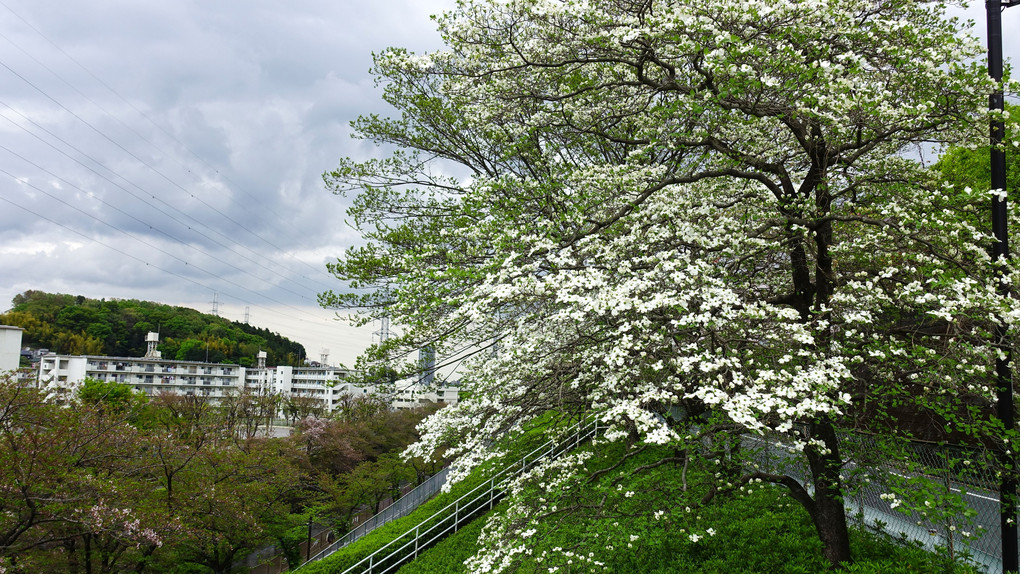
184, 161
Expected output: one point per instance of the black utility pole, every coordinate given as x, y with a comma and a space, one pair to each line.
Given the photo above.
1000, 252
308, 551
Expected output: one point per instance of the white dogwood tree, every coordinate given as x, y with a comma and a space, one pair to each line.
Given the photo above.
717, 204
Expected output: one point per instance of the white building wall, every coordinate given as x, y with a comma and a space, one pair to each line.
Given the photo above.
261, 379
414, 395
10, 347
324, 384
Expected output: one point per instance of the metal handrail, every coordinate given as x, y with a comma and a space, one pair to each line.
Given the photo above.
398, 509
495, 483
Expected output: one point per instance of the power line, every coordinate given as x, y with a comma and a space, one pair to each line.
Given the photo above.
147, 118
125, 190
94, 240
115, 174
134, 157
119, 210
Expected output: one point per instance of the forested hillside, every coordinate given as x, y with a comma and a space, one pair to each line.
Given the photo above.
117, 327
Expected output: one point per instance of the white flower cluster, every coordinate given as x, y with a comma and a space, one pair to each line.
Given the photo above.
704, 204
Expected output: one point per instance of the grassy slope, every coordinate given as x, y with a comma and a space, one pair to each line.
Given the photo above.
352, 554
762, 533
759, 532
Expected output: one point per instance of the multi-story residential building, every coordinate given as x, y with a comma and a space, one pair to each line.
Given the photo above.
154, 375
149, 375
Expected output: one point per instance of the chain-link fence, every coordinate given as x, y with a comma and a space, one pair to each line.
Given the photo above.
399, 509
943, 497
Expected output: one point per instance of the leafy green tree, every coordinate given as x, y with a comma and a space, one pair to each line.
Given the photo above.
248, 412
191, 350
682, 207
77, 325
117, 396
232, 499
297, 407
965, 167
71, 495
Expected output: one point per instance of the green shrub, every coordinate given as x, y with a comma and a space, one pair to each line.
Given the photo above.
448, 556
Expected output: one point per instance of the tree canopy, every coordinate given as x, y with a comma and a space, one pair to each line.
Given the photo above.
637, 209
117, 327
107, 480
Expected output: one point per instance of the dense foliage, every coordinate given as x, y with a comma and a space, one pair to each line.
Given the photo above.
109, 481
752, 530
117, 327
694, 220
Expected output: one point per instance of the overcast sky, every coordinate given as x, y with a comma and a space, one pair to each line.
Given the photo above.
173, 151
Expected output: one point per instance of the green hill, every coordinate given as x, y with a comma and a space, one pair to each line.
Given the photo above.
73, 324
641, 526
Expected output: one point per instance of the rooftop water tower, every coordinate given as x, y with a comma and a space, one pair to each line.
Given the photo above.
151, 340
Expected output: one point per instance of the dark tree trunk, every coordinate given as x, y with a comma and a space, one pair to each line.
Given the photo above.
828, 512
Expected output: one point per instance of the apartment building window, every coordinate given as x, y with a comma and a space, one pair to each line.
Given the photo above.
149, 368
121, 366
148, 379
63, 364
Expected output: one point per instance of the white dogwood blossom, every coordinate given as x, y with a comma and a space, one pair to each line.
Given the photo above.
677, 206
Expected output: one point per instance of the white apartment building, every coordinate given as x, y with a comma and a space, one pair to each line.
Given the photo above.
154, 375
149, 375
